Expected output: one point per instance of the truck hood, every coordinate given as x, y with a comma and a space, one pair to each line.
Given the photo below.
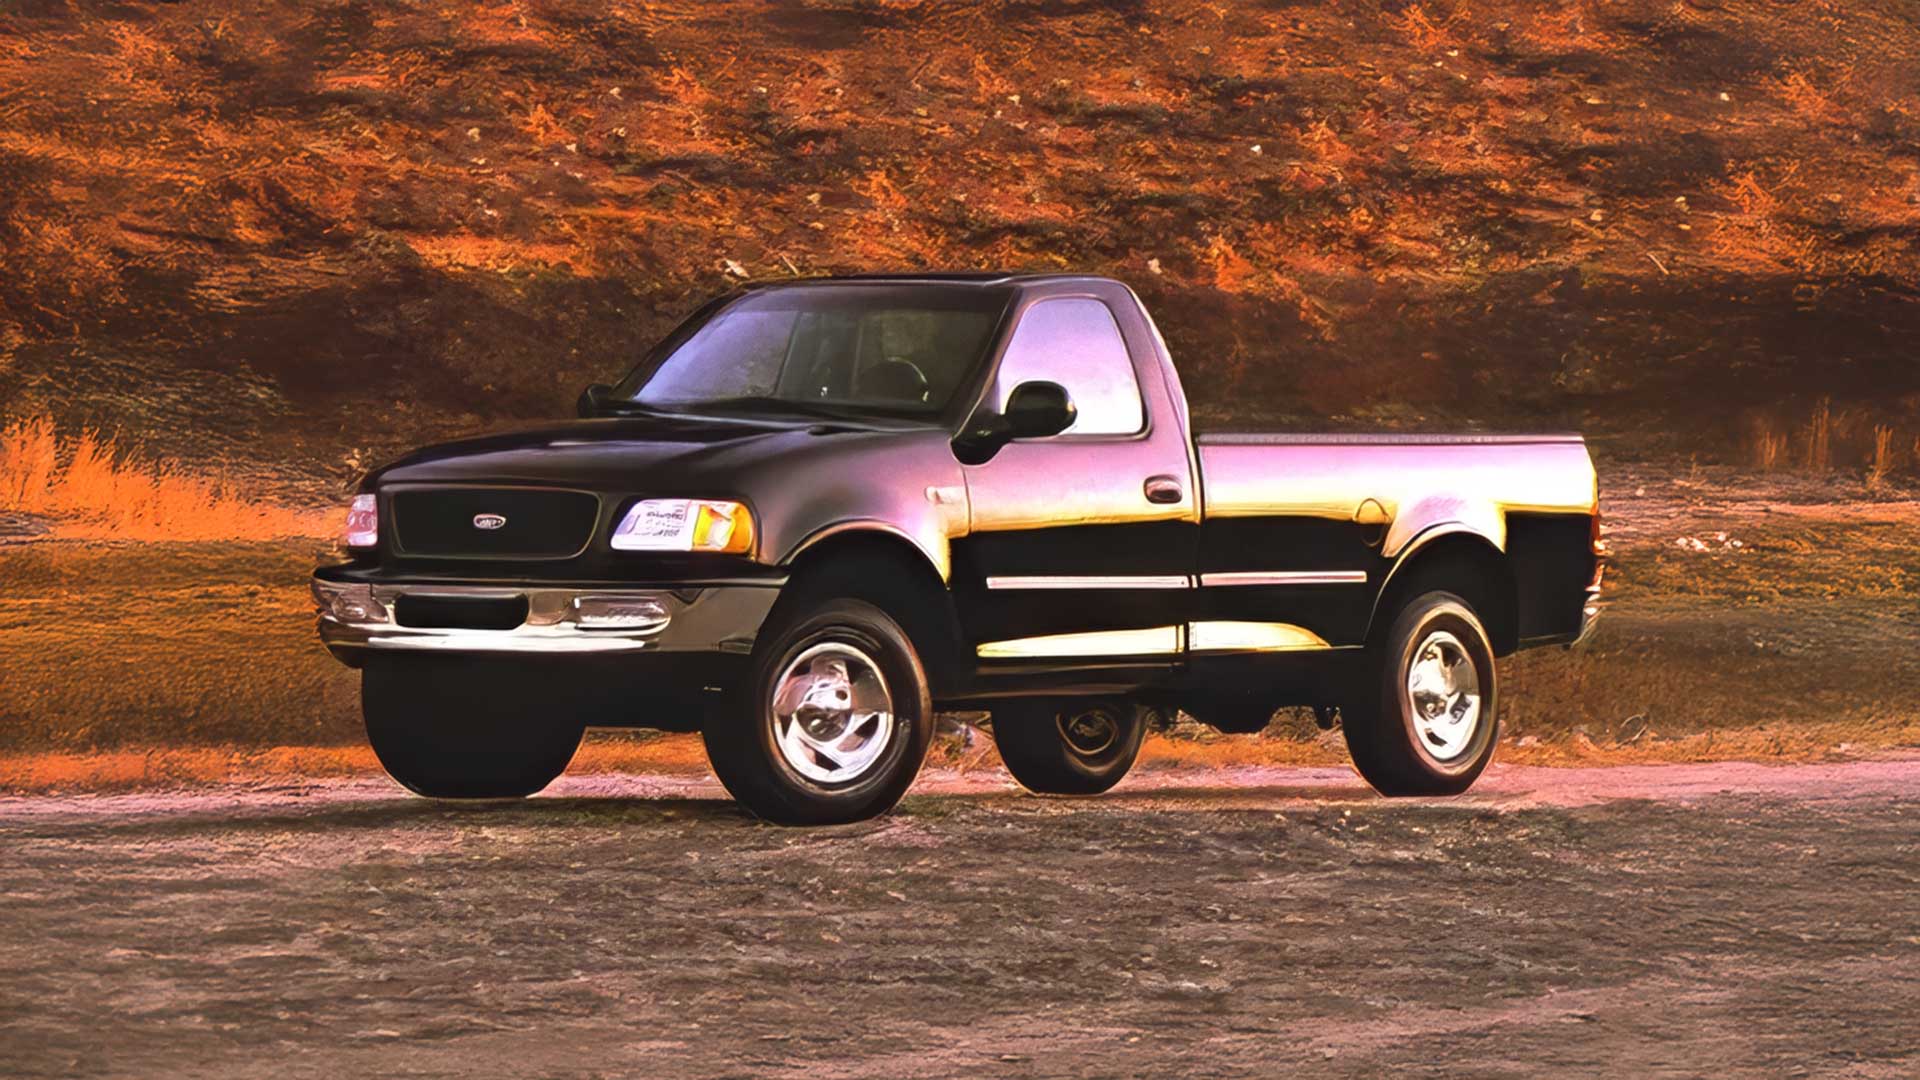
685, 455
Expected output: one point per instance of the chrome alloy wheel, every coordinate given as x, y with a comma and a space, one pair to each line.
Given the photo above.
1443, 689
832, 714
1088, 733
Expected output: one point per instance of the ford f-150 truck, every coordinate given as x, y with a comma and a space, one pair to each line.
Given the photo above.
818, 511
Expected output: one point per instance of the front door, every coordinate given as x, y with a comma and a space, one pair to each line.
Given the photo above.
1081, 546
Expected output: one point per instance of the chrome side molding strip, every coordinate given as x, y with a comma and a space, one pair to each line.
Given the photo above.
1000, 583
1156, 641
1212, 637
1252, 637
1090, 581
1284, 577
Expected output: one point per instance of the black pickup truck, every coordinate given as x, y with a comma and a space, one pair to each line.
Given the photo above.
820, 510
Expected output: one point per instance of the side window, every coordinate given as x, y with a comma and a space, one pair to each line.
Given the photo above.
1075, 342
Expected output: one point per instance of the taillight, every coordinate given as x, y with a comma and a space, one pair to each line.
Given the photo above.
1599, 554
363, 522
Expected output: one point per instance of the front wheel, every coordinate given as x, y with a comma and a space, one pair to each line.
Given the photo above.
1422, 720
835, 722
1069, 748
463, 728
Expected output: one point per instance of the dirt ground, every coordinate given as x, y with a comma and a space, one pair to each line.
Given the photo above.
1738, 920
200, 874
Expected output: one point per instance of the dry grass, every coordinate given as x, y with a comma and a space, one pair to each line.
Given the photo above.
1794, 643
1882, 462
684, 756
1423, 30
94, 488
1832, 440
131, 770
111, 646
1820, 437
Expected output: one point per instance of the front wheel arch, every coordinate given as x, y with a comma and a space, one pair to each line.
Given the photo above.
889, 572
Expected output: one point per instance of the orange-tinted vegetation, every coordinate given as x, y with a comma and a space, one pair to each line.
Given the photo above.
92, 488
119, 770
1748, 616
1830, 439
316, 231
684, 756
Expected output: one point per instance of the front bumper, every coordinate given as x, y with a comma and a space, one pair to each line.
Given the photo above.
358, 617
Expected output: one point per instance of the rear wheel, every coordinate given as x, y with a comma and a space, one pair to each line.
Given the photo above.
463, 727
1423, 719
835, 723
1069, 747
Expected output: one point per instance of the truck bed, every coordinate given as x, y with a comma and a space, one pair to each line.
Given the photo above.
1414, 482
1254, 438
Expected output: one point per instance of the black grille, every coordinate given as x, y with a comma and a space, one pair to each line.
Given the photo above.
460, 612
528, 523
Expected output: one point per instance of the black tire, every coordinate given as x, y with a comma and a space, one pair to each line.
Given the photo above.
745, 747
463, 727
1069, 747
1385, 737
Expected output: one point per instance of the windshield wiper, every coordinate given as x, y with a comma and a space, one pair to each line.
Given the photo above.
767, 403
627, 408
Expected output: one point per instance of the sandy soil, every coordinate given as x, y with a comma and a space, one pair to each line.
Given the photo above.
1663, 920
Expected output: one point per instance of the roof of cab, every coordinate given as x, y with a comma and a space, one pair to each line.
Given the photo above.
945, 277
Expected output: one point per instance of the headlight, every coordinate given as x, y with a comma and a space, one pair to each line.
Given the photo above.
363, 522
685, 525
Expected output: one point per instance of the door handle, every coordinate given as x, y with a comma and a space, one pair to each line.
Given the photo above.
1162, 490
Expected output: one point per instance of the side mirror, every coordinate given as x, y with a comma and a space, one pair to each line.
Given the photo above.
1036, 410
591, 399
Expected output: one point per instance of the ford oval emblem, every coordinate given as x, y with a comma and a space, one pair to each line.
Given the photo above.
488, 522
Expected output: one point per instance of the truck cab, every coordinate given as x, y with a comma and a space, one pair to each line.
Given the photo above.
819, 511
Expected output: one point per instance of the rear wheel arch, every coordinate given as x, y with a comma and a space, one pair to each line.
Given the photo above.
892, 573
1461, 562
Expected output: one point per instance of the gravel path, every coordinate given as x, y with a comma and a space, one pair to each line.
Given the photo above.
1728, 919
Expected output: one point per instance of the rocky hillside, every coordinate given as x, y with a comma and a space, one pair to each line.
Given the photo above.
296, 233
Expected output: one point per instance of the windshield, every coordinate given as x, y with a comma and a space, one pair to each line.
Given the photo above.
902, 350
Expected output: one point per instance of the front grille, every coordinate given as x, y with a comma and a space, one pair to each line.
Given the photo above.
529, 523
460, 612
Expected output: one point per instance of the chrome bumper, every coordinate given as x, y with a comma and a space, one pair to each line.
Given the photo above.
1590, 611
1589, 618
1594, 604
357, 617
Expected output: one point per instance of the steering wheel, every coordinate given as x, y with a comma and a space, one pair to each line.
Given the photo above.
894, 379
